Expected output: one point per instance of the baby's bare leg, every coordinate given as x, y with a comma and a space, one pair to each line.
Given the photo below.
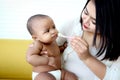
66, 75
45, 76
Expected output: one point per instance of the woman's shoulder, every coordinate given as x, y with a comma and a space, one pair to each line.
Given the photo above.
118, 61
115, 63
112, 70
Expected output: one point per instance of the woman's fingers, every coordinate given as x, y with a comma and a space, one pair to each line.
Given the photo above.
78, 42
81, 47
81, 40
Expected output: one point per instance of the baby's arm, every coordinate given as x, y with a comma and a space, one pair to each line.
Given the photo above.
62, 47
34, 57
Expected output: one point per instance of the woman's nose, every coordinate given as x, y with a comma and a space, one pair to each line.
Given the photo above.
87, 20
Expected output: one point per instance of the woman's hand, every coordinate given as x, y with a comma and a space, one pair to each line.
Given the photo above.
81, 47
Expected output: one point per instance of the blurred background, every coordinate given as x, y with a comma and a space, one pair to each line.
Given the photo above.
14, 14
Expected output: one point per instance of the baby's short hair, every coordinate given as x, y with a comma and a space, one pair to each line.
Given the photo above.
32, 18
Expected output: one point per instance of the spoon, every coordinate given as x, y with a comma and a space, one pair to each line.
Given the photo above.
61, 35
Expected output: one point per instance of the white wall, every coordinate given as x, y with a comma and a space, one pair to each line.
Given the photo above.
14, 14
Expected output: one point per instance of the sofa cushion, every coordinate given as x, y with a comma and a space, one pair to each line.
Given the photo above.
13, 63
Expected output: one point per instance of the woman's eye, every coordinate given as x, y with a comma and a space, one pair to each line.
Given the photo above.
85, 12
94, 22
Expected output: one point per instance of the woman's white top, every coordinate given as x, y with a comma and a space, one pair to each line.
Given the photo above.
72, 62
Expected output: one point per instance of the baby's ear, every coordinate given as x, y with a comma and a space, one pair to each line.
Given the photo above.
34, 37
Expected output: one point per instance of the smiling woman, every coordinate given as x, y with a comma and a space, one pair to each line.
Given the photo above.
14, 13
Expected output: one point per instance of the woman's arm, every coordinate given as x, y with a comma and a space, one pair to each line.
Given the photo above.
102, 70
82, 49
96, 66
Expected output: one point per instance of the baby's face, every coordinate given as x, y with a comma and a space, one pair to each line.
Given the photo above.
45, 30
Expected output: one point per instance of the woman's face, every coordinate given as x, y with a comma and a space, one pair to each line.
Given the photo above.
89, 17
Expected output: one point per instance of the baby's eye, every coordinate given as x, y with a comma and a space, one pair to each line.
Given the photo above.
53, 27
47, 30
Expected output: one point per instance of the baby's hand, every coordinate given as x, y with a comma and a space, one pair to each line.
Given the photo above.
62, 48
44, 52
52, 62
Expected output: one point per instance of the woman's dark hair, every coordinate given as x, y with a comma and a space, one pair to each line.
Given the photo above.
107, 24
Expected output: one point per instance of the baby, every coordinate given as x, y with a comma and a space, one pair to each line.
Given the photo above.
44, 54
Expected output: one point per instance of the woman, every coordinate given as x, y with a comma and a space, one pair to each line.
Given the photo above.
93, 51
